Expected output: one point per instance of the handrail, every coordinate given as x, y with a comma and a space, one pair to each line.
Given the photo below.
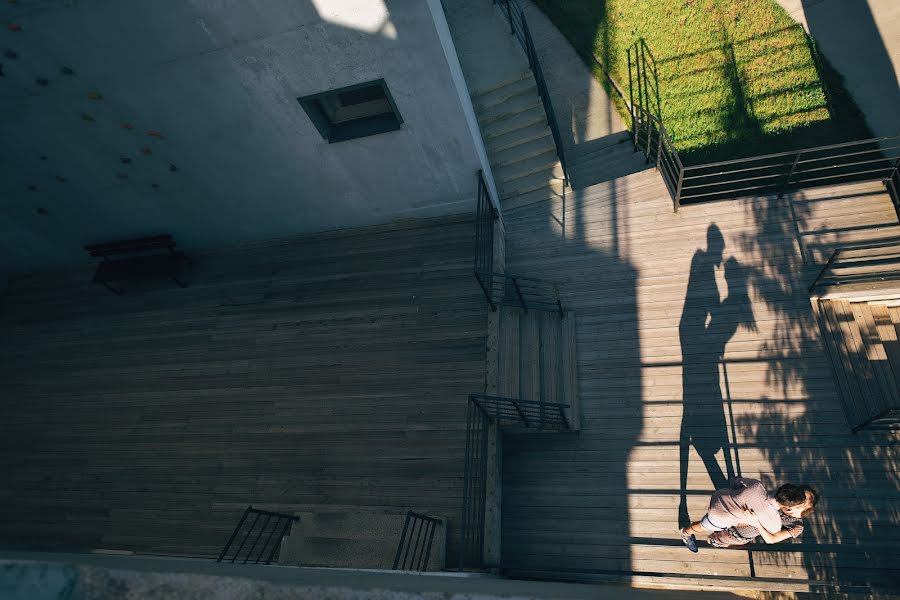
522, 292
482, 412
878, 160
518, 26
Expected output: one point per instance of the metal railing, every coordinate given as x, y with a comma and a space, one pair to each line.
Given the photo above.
414, 548
876, 159
873, 159
282, 523
518, 26
526, 293
892, 184
881, 265
483, 412
642, 75
485, 215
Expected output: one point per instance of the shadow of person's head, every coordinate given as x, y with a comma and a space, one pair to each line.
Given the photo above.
715, 243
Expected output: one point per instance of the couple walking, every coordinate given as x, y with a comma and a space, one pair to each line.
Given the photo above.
742, 508
740, 512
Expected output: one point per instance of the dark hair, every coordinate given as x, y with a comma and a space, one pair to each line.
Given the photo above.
792, 495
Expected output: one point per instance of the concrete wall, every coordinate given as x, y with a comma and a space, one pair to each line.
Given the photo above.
129, 118
37, 576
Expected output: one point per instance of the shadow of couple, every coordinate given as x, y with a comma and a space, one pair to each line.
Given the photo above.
707, 324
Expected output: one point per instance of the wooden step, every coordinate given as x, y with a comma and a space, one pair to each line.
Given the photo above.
537, 359
887, 393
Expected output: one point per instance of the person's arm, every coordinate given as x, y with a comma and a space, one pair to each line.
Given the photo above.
768, 536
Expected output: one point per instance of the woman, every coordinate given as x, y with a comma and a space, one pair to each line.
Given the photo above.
740, 535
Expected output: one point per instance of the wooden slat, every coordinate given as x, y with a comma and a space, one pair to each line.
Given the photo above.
530, 355
569, 370
509, 352
877, 356
550, 356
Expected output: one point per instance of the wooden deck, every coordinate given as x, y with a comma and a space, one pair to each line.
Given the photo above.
332, 369
679, 357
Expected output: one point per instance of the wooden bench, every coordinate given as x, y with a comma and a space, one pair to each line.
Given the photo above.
141, 258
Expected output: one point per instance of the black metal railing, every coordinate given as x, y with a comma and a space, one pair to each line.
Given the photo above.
860, 264
643, 92
876, 159
485, 216
651, 136
414, 548
526, 293
892, 184
518, 26
483, 412
247, 530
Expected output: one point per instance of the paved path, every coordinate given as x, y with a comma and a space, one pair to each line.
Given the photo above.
862, 40
583, 108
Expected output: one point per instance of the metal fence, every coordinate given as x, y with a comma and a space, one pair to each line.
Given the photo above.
873, 159
518, 26
248, 529
414, 548
483, 412
526, 293
892, 184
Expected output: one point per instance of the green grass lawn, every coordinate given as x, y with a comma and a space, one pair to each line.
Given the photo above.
736, 77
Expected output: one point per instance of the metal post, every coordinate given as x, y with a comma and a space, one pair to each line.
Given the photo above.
287, 524
631, 106
519, 294
234, 533
790, 174
678, 188
402, 537
256, 541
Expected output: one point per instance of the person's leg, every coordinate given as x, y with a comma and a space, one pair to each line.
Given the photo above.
704, 525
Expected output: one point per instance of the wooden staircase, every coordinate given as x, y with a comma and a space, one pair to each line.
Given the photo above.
861, 337
537, 359
857, 302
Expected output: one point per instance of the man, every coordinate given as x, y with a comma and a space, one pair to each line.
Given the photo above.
747, 502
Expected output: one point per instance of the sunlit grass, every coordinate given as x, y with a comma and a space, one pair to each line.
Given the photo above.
736, 77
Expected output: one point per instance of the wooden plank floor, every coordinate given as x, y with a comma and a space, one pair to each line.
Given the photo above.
331, 369
681, 355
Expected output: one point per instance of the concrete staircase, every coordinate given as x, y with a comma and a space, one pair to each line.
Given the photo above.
518, 140
605, 159
537, 359
332, 537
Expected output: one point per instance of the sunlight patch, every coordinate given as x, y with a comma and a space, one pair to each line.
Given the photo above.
370, 16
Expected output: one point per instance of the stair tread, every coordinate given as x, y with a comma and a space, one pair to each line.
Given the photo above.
835, 338
520, 135
500, 127
508, 109
546, 163
486, 90
499, 95
540, 193
523, 151
884, 388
